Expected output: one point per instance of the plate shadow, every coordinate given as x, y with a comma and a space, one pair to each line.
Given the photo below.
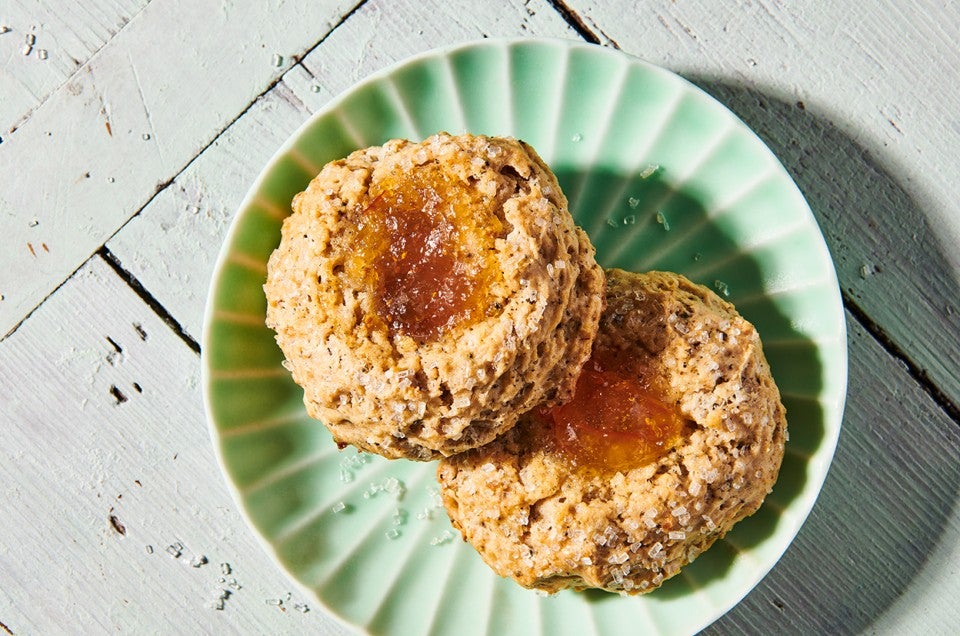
861, 548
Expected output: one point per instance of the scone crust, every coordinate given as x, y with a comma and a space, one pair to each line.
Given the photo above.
534, 520
389, 394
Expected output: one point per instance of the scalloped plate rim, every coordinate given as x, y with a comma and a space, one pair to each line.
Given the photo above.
825, 452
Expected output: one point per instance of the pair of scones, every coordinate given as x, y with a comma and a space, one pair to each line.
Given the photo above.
435, 300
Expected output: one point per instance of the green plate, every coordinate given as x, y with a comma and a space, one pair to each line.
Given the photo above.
662, 177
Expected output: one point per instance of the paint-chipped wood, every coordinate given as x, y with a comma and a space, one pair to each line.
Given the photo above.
170, 108
859, 107
101, 146
94, 489
45, 43
382, 32
172, 244
879, 553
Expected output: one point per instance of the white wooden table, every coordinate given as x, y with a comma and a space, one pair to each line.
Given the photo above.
132, 128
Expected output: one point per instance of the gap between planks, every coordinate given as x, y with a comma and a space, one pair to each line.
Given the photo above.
163, 185
298, 64
575, 21
148, 298
579, 25
916, 372
951, 409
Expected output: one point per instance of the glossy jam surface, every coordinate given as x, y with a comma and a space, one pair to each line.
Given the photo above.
425, 247
616, 420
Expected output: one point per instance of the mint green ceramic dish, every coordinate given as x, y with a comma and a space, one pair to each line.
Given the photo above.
662, 177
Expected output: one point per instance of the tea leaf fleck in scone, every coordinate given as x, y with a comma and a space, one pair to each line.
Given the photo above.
427, 294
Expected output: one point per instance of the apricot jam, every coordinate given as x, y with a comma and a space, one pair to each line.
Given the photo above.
616, 420
425, 247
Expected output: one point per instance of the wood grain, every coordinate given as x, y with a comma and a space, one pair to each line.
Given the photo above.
879, 552
854, 129
65, 35
119, 459
381, 33
172, 244
113, 136
148, 121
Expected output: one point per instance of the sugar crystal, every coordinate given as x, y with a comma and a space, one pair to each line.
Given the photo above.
649, 171
399, 517
443, 538
617, 558
662, 220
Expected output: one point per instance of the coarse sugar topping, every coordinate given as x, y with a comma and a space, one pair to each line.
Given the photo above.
425, 247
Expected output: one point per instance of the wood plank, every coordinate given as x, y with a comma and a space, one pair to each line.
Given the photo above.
382, 33
880, 551
847, 109
85, 452
136, 114
119, 460
65, 34
172, 244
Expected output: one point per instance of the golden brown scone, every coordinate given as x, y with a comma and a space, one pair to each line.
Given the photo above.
562, 501
427, 294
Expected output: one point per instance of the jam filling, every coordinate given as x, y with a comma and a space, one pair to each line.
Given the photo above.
426, 249
616, 421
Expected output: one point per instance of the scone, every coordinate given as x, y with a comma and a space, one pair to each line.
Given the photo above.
425, 295
676, 433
